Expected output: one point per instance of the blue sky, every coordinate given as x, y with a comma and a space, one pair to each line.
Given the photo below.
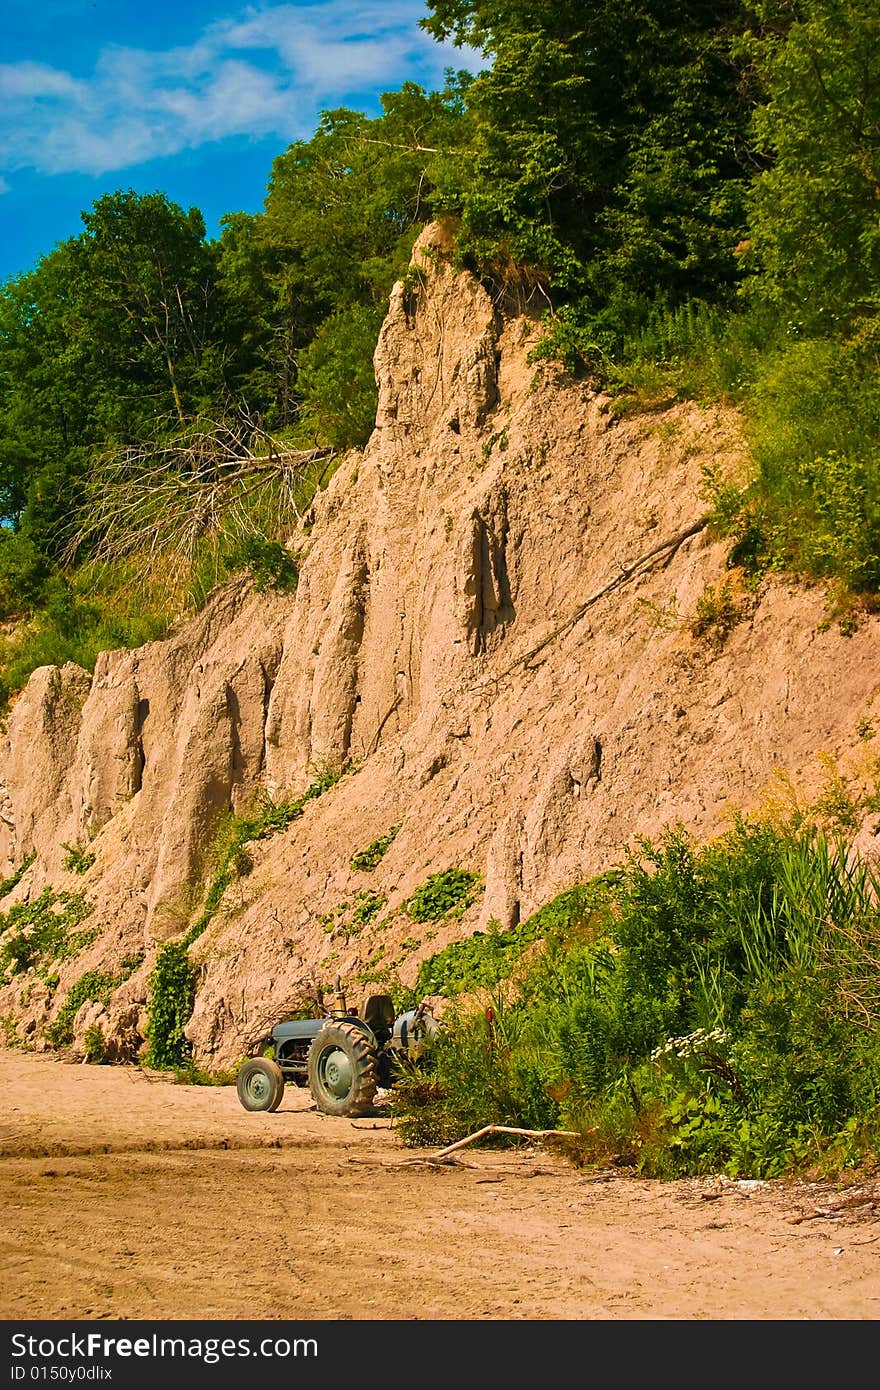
193, 98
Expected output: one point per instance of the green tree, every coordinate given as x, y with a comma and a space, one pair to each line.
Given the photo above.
347, 202
341, 213
259, 287
607, 145
336, 378
144, 261
112, 330
815, 227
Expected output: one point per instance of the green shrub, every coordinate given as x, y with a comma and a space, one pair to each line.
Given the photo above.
572, 911
24, 574
270, 563
719, 1012
95, 986
348, 918
443, 894
697, 351
478, 961
230, 854
481, 1071
172, 996
814, 504
192, 1075
485, 958
719, 608
368, 858
94, 1046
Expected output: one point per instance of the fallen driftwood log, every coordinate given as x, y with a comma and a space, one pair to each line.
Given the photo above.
443, 1156
502, 1129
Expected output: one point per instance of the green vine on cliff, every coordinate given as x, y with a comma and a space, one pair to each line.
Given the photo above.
172, 986
7, 884
96, 986
239, 831
35, 934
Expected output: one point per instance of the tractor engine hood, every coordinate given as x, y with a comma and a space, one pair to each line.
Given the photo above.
300, 1029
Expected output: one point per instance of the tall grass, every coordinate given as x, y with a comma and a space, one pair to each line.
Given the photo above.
720, 1013
696, 352
62, 613
94, 609
814, 506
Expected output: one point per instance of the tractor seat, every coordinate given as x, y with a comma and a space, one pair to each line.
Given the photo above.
378, 1012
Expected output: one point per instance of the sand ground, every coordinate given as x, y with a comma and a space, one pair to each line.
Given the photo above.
126, 1196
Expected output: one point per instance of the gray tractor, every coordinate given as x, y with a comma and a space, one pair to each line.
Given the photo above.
343, 1058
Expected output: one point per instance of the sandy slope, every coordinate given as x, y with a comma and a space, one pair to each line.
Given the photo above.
130, 1197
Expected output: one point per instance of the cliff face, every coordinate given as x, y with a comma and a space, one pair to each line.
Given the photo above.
467, 634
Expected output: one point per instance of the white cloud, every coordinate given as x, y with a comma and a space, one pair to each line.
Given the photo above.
30, 81
266, 72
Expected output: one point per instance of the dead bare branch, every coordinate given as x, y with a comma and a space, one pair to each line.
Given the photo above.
664, 550
503, 1129
159, 499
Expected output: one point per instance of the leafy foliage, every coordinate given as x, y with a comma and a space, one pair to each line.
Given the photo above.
239, 831
450, 891
368, 858
78, 619
7, 884
720, 1015
815, 244
367, 906
37, 933
94, 1046
690, 188
271, 564
341, 214
348, 918
172, 981
77, 858
172, 995
485, 958
339, 394
95, 986
605, 149
814, 503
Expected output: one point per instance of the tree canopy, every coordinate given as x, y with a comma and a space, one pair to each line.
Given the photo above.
815, 208
663, 168
610, 144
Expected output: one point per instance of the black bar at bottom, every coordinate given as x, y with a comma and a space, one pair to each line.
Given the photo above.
203, 1355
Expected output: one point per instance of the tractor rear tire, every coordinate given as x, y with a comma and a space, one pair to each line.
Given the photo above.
260, 1084
343, 1070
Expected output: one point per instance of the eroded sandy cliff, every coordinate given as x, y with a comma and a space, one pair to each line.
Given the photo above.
494, 499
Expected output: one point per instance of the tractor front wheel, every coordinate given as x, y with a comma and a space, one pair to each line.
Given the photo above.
260, 1084
342, 1070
